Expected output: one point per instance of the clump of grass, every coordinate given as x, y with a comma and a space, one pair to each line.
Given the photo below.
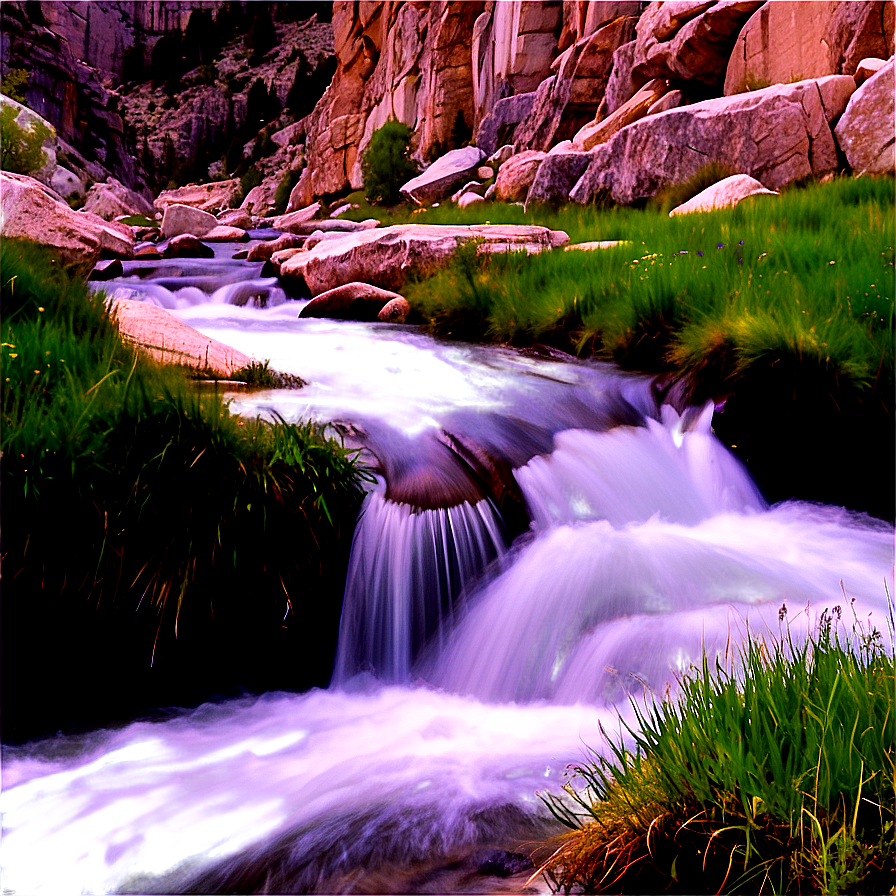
773, 777
140, 221
258, 375
155, 547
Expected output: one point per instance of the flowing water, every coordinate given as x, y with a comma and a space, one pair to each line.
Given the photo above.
546, 541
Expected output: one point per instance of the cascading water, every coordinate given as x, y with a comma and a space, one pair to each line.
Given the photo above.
471, 669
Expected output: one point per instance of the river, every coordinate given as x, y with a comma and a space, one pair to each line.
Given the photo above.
547, 540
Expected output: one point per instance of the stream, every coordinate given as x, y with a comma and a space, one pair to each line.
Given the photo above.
547, 540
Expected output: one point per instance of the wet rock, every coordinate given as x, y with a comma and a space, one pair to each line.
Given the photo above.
265, 249
727, 192
147, 250
395, 312
30, 212
107, 270
223, 234
335, 225
351, 301
187, 245
865, 133
516, 175
387, 256
183, 219
776, 135
444, 175
160, 335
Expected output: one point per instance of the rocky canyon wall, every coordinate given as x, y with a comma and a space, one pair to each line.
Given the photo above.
536, 74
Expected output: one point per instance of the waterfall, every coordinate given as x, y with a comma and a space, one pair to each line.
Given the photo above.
407, 571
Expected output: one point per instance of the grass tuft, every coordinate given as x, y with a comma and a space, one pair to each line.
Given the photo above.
774, 776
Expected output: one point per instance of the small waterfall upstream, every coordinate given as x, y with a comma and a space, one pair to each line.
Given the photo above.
546, 541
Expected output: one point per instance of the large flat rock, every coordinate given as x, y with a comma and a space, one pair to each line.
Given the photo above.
213, 197
444, 175
387, 256
159, 334
775, 135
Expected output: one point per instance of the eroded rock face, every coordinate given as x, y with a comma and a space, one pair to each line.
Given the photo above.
497, 127
571, 97
629, 112
689, 41
386, 257
160, 335
789, 41
776, 135
865, 133
727, 192
28, 211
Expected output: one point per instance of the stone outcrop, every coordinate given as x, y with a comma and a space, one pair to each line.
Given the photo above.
689, 40
212, 197
160, 335
776, 135
28, 211
726, 193
571, 97
444, 175
387, 256
351, 301
180, 219
113, 199
865, 133
68, 92
629, 112
497, 127
581, 18
790, 41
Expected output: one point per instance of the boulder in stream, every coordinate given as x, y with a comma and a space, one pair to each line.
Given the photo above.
352, 301
387, 256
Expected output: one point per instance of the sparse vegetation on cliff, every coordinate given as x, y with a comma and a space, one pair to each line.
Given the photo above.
156, 549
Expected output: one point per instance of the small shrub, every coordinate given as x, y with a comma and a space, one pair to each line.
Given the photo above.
284, 188
207, 74
251, 179
386, 164
21, 148
13, 84
264, 146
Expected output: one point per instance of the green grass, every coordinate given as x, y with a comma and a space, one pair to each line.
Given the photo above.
774, 777
140, 515
808, 275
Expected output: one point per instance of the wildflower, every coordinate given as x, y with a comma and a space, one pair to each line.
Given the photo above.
740, 243
700, 254
13, 354
39, 308
720, 246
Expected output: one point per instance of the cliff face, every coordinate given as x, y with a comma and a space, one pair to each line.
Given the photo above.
535, 73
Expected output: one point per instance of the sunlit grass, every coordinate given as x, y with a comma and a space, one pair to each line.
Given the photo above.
775, 775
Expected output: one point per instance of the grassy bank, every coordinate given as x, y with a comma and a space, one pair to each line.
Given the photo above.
155, 549
784, 306
775, 779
